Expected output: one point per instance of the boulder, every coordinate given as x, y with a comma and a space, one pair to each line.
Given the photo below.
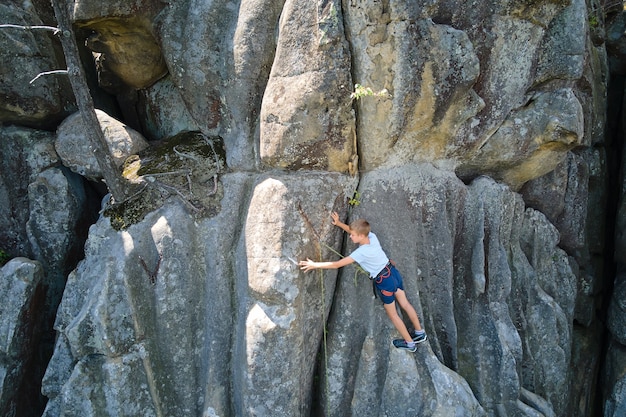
122, 38
76, 150
20, 333
562, 55
429, 70
532, 141
61, 210
164, 121
562, 196
306, 116
127, 48
25, 153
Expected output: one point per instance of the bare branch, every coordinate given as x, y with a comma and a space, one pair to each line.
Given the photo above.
117, 185
48, 73
53, 29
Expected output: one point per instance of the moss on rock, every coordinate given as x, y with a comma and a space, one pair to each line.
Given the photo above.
186, 166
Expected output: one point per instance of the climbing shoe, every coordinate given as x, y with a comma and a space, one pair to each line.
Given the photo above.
419, 337
401, 344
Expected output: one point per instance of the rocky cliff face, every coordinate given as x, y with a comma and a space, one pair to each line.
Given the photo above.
483, 144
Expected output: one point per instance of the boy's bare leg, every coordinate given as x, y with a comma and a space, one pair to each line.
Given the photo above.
408, 308
397, 321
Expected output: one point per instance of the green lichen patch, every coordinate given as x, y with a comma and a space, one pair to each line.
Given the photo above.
133, 210
186, 166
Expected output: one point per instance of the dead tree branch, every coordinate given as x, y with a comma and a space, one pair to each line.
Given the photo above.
48, 73
118, 187
50, 28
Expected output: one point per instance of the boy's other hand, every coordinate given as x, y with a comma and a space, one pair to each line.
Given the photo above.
335, 217
307, 265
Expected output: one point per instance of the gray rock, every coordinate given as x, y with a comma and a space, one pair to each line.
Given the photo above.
222, 92
177, 362
428, 68
532, 141
76, 150
56, 228
22, 292
616, 43
492, 274
562, 196
184, 314
123, 40
25, 153
617, 310
563, 53
614, 381
306, 115
24, 54
165, 110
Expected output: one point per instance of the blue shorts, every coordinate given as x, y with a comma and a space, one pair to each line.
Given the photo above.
387, 282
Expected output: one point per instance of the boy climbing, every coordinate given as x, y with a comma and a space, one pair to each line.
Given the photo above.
387, 279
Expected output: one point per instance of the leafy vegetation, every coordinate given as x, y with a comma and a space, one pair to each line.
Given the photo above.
355, 200
4, 257
361, 91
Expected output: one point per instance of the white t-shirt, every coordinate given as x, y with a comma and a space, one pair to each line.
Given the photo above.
371, 257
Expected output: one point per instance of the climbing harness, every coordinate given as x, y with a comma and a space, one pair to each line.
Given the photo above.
385, 273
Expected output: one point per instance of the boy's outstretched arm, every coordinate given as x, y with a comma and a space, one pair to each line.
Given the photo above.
338, 222
309, 265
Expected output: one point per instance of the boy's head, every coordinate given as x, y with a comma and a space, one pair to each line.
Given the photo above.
360, 227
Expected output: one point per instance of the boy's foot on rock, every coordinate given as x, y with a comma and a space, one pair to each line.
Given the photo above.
419, 337
402, 344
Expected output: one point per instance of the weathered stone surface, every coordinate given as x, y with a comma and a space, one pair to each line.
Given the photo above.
165, 113
60, 214
616, 43
222, 82
614, 381
360, 354
25, 153
24, 54
429, 69
497, 262
76, 150
563, 52
181, 363
306, 115
187, 165
573, 198
124, 41
107, 317
22, 294
562, 196
617, 310
282, 312
532, 141
203, 322
128, 49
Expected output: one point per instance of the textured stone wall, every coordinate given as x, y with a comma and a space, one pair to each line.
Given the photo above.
484, 158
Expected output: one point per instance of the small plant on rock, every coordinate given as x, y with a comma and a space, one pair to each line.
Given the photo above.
361, 91
355, 200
